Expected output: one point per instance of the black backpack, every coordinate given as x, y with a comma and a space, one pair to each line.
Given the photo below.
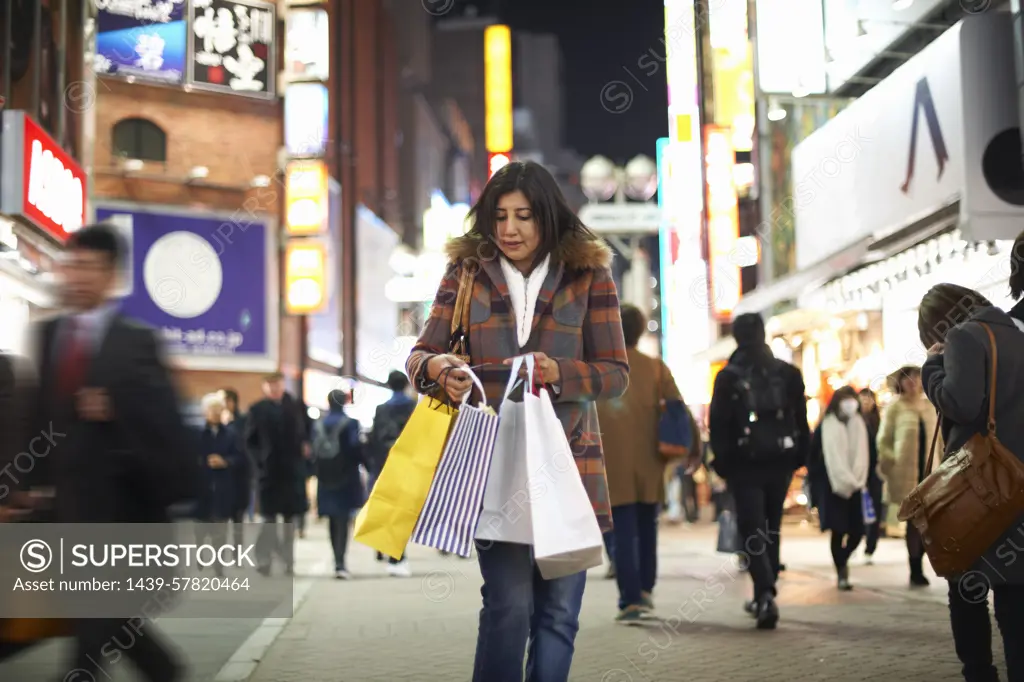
767, 422
387, 427
331, 462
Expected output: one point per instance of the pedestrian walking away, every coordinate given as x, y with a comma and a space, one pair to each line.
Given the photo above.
759, 435
635, 468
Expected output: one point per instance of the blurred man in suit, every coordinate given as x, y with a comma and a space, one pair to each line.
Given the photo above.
125, 455
277, 439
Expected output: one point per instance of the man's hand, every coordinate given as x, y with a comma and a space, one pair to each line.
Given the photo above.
937, 349
94, 405
215, 461
307, 451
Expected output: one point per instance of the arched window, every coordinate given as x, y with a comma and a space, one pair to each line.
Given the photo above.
139, 138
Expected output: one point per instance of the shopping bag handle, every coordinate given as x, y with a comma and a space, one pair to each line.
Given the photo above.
530, 373
476, 380
513, 377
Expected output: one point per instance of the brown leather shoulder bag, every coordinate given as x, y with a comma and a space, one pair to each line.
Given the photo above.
458, 344
962, 508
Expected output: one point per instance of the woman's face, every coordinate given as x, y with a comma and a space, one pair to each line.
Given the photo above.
911, 386
867, 403
516, 229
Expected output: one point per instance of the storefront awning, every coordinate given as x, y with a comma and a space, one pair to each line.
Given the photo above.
789, 288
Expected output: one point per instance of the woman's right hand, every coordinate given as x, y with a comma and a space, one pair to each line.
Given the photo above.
443, 370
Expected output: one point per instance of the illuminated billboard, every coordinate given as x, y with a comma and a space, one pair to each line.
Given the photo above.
305, 276
498, 88
686, 327
306, 198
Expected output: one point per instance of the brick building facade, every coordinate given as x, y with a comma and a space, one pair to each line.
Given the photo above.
238, 139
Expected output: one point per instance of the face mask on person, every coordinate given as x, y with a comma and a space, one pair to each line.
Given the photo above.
849, 407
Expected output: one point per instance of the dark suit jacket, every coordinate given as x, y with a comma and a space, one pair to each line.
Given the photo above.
274, 435
132, 468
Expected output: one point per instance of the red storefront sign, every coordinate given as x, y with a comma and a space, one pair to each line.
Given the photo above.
42, 184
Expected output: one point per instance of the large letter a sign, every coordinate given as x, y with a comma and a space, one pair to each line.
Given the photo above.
923, 103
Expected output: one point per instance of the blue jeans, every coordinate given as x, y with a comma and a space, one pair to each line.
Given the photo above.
609, 545
636, 550
522, 609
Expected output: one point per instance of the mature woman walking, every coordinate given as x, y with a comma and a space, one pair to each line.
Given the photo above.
958, 327
903, 439
538, 282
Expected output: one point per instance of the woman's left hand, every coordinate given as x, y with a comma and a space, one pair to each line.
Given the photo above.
549, 372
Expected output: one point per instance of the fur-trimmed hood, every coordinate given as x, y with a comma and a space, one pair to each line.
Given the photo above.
577, 251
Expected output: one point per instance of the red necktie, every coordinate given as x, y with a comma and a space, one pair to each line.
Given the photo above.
73, 360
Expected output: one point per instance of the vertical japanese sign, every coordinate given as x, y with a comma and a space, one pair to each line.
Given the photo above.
142, 39
232, 47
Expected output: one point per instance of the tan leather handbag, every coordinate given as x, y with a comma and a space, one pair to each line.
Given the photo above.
963, 507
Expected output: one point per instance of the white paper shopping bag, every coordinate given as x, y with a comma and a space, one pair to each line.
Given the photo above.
566, 536
505, 516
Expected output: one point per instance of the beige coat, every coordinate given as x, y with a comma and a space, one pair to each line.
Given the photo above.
629, 431
898, 444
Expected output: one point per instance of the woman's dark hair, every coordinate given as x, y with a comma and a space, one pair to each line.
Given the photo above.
841, 394
552, 213
101, 238
873, 416
1017, 268
897, 377
633, 324
945, 306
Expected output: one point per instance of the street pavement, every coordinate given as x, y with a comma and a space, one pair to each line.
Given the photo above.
424, 628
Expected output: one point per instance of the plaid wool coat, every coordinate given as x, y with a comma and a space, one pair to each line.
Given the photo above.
576, 322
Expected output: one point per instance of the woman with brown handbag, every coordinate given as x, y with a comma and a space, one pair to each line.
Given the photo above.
529, 278
968, 342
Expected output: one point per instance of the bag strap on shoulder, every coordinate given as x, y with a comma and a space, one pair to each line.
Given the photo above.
992, 380
462, 300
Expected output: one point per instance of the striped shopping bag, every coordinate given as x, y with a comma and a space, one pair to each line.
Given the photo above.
452, 510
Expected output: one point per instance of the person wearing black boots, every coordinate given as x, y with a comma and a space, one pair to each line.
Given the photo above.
845, 450
759, 435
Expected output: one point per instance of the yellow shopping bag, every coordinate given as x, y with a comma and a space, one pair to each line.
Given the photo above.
386, 521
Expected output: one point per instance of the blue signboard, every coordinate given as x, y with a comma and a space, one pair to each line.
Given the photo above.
204, 282
143, 39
